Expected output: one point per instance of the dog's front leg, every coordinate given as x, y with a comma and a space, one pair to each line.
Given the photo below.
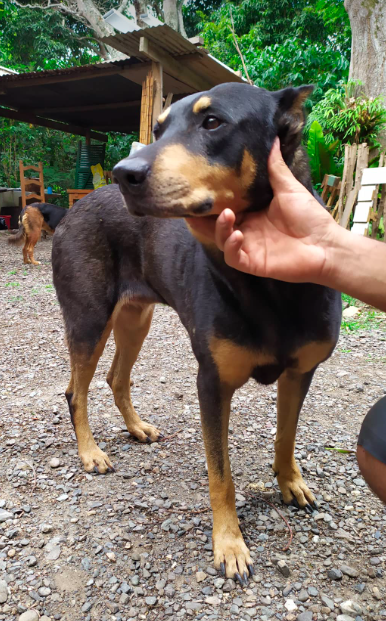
292, 389
231, 555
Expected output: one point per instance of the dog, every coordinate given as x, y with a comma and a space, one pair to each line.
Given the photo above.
128, 254
32, 220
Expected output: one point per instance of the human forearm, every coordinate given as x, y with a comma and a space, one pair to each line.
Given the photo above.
357, 266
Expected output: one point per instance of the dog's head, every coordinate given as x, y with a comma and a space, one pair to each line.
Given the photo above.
211, 151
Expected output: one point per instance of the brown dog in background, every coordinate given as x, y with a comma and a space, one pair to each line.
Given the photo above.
34, 219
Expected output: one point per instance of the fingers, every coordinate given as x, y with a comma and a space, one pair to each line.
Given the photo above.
224, 227
234, 255
280, 176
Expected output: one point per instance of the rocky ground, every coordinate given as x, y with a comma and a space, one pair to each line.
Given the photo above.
137, 544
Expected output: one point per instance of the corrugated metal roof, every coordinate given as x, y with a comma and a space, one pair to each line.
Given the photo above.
67, 70
163, 36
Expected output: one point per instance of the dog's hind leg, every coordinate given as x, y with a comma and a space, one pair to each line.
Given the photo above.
25, 252
131, 325
292, 389
83, 367
33, 239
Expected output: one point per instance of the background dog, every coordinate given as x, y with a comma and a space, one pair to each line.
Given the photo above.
33, 219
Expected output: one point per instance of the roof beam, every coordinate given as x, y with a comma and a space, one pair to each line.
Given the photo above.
172, 66
63, 127
59, 77
106, 106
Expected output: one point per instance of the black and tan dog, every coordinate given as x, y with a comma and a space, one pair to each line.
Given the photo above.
210, 152
34, 219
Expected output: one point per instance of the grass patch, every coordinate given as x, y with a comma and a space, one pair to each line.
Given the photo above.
369, 319
349, 300
12, 284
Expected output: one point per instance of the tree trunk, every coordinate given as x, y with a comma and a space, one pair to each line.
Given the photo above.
89, 12
140, 9
368, 48
173, 15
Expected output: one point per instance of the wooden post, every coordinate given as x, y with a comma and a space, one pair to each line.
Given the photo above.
158, 91
350, 152
88, 138
362, 162
146, 109
378, 213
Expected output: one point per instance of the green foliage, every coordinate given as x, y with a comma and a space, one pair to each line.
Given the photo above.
347, 115
57, 151
118, 147
283, 41
33, 39
321, 154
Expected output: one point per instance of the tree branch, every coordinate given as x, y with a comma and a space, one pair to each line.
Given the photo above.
122, 6
235, 43
40, 6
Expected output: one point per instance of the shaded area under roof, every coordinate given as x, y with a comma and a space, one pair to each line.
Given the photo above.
104, 97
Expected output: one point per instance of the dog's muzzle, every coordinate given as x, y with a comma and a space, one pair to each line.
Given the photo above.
131, 175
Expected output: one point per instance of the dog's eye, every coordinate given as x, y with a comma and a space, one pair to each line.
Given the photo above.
211, 122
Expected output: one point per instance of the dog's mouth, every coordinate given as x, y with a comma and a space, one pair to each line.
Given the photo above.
172, 209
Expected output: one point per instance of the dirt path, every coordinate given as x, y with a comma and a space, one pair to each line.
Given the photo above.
137, 544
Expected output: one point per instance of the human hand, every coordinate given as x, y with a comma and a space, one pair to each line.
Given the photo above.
288, 241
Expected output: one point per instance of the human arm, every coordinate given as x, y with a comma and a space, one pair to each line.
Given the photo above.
296, 240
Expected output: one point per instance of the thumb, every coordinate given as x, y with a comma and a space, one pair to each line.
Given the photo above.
280, 176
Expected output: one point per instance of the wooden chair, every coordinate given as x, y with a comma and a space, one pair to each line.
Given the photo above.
29, 184
331, 185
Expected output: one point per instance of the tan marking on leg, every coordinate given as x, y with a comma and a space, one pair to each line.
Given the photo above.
235, 363
292, 388
131, 324
25, 253
202, 104
309, 356
228, 543
30, 250
82, 371
32, 222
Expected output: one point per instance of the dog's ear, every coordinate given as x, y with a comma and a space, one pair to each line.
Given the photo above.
289, 118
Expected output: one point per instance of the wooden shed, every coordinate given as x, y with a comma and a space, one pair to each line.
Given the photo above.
122, 96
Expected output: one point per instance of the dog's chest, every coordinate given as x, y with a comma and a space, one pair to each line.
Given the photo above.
236, 363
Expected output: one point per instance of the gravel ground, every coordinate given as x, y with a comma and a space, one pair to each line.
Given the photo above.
137, 544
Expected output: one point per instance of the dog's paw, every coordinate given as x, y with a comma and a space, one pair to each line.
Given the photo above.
295, 491
231, 556
95, 460
144, 432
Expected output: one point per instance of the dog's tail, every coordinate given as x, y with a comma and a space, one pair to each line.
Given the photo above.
18, 238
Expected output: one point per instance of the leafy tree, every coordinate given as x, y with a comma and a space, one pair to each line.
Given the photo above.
283, 41
33, 41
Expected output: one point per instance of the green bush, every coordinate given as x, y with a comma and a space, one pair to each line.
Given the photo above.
347, 115
321, 155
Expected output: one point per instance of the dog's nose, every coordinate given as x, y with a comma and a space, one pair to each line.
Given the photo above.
131, 173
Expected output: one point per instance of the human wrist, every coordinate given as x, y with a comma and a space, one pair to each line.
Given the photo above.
337, 245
